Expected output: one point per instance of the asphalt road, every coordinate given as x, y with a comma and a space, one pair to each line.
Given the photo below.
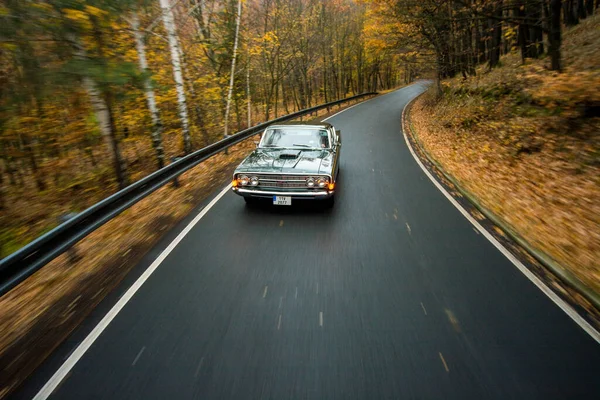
392, 294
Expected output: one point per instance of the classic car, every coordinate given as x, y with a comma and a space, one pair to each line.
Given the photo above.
292, 161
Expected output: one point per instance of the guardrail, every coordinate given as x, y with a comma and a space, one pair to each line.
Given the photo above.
16, 267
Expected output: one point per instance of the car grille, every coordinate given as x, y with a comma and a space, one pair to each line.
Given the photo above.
282, 181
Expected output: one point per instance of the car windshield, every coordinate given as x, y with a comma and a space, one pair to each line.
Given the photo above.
313, 138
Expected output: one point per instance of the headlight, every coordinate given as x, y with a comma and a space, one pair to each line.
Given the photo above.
310, 182
322, 182
254, 181
243, 180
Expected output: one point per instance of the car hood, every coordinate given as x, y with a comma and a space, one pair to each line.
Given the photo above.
288, 161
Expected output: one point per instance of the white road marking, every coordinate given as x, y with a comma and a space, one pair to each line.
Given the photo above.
280, 302
296, 295
423, 307
453, 320
346, 109
265, 292
317, 288
138, 356
199, 366
321, 318
408, 228
444, 362
279, 322
84, 346
534, 279
366, 101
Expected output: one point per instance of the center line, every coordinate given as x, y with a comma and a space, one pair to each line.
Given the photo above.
280, 302
265, 292
408, 227
296, 295
444, 362
317, 288
199, 366
424, 310
321, 318
138, 356
279, 322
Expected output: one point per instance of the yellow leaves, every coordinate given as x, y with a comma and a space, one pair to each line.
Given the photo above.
75, 15
96, 12
271, 37
83, 18
79, 17
8, 46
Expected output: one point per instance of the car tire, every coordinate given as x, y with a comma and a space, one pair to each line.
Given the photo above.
250, 201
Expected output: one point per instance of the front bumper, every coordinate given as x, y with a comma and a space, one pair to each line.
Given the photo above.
317, 194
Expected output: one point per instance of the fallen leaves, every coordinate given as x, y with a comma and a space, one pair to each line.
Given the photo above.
517, 139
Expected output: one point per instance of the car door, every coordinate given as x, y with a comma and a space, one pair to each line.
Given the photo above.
337, 147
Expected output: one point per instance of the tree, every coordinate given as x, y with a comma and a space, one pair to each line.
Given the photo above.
169, 24
157, 126
233, 59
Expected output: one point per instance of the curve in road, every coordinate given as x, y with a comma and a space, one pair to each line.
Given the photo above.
391, 294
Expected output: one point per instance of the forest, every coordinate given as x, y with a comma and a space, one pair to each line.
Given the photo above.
97, 94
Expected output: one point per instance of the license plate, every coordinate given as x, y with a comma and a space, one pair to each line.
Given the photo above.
282, 200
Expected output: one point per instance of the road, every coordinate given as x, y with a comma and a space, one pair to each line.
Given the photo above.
391, 295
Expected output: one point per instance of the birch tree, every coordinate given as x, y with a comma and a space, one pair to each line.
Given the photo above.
157, 126
169, 23
232, 74
103, 113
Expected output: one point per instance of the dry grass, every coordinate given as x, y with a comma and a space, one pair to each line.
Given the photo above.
526, 142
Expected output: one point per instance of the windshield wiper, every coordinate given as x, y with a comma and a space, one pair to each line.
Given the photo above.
302, 145
270, 145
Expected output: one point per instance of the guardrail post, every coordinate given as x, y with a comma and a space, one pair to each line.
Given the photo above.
175, 180
72, 254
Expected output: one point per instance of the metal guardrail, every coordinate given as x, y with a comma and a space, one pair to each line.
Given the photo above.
16, 267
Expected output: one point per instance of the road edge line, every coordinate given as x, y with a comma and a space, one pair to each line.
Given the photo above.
84, 346
563, 305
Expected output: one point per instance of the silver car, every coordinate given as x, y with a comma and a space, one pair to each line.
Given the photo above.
292, 161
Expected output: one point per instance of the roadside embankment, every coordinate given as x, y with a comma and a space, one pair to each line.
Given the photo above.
525, 141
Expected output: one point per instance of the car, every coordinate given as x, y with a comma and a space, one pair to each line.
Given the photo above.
292, 161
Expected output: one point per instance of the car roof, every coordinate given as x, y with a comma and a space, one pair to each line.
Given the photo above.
307, 124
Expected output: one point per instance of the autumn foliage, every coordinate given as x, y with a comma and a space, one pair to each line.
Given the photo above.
525, 141
76, 122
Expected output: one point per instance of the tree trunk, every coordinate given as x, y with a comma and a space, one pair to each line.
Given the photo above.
555, 37
104, 115
581, 11
589, 6
570, 13
496, 29
232, 74
169, 23
105, 120
248, 97
28, 149
157, 126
